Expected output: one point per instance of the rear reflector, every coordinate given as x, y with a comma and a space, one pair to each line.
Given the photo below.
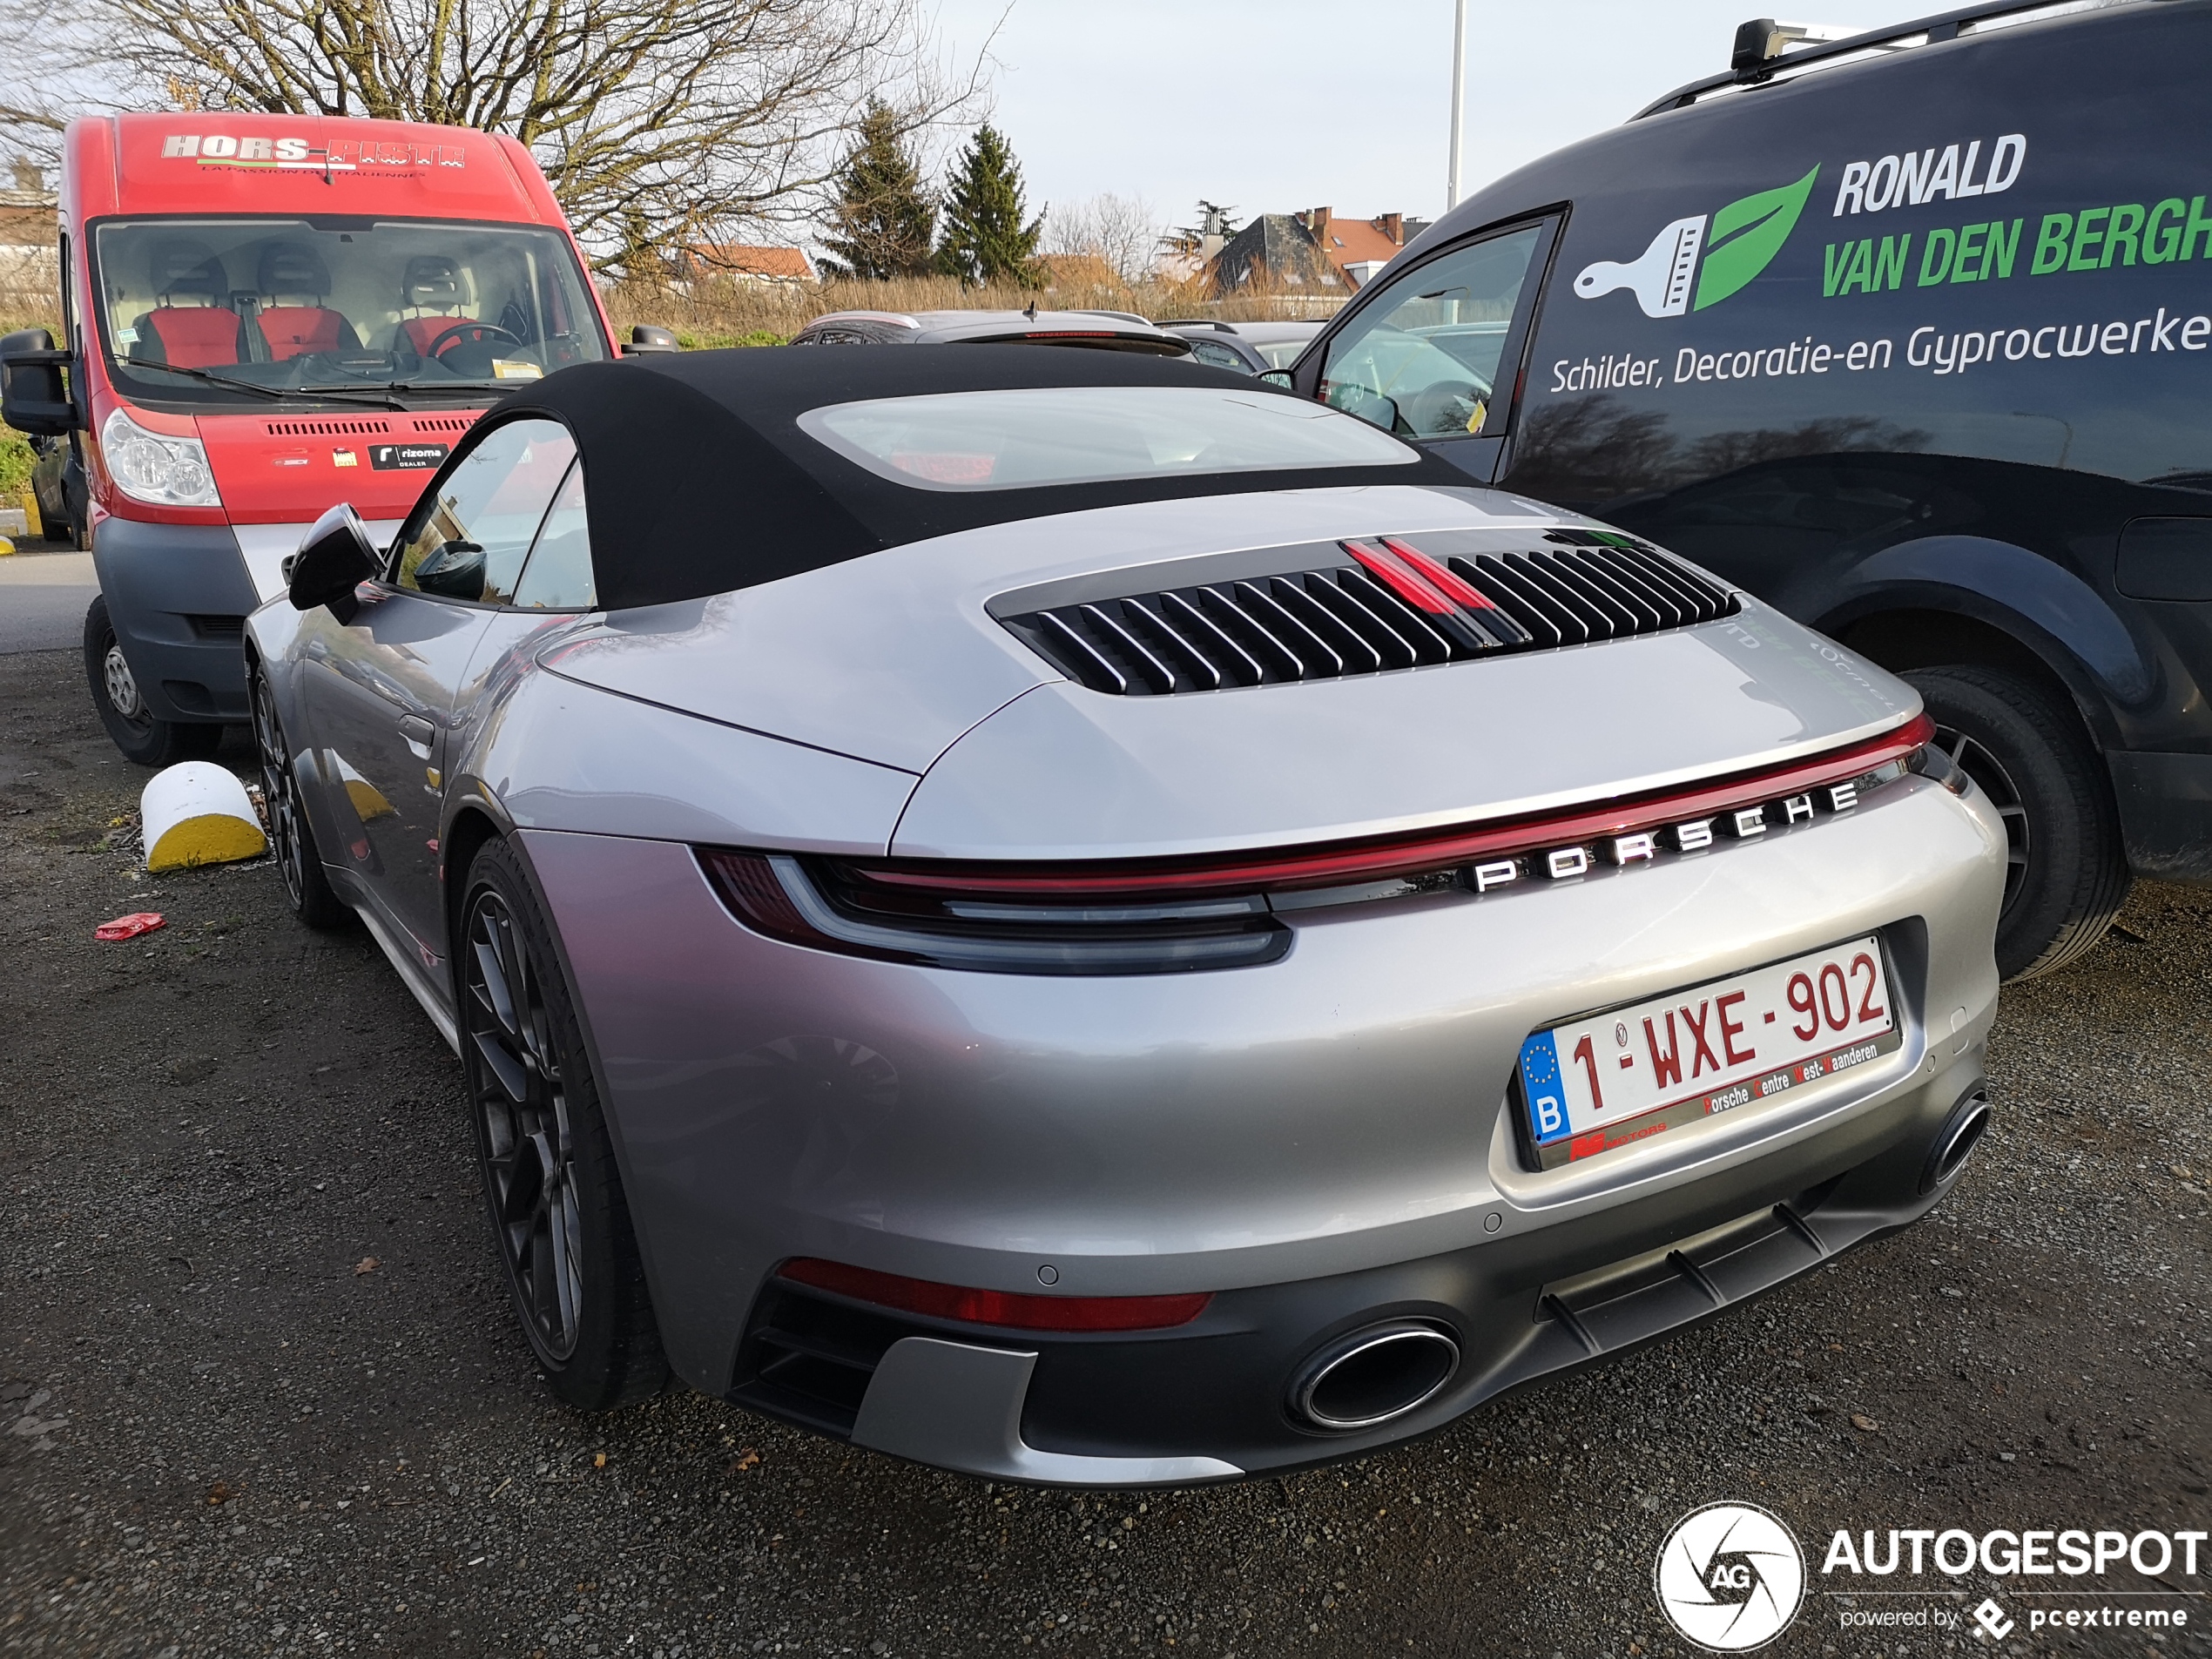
1007, 1309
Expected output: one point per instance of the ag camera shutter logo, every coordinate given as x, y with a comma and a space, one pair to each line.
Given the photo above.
1730, 1577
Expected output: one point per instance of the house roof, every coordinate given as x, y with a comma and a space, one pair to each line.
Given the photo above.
1347, 241
744, 259
1275, 251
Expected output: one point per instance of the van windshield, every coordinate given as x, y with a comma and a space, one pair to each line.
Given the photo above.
191, 309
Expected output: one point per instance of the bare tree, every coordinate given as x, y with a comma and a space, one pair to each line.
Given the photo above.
658, 122
1123, 230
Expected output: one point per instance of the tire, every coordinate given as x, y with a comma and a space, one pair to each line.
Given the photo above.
141, 737
553, 1193
50, 530
292, 838
2068, 875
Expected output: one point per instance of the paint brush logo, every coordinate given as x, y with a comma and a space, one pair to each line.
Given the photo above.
1734, 245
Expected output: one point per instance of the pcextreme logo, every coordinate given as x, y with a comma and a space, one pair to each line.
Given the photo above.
1737, 243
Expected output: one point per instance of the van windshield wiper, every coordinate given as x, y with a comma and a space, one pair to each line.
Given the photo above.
374, 396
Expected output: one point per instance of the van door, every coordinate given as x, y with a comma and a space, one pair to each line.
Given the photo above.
1434, 352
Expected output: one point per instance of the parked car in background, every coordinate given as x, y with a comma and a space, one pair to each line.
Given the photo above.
1087, 920
1907, 333
1247, 347
57, 485
1100, 330
263, 314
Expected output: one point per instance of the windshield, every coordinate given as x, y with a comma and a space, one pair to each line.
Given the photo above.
1022, 439
189, 308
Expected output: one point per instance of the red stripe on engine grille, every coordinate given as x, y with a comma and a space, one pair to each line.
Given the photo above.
1408, 855
1400, 578
1450, 585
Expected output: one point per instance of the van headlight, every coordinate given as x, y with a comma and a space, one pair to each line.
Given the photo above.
156, 468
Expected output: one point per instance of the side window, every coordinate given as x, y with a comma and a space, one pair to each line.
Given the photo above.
1421, 358
558, 576
469, 542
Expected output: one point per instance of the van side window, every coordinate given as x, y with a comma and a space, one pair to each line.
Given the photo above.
558, 576
469, 541
1421, 360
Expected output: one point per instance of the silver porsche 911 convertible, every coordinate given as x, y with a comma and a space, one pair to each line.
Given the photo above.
1083, 920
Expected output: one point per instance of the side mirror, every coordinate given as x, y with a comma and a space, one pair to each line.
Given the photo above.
334, 559
33, 397
645, 337
455, 571
1277, 377
1372, 406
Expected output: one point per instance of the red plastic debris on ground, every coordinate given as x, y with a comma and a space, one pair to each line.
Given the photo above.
130, 927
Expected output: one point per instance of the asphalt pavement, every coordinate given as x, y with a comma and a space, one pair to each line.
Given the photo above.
42, 598
261, 1392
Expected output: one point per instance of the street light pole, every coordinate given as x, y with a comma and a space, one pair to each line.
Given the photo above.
1458, 97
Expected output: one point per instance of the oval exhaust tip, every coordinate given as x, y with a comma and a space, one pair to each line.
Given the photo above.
1374, 1375
1955, 1141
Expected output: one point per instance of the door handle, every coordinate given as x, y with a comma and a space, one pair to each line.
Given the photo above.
418, 731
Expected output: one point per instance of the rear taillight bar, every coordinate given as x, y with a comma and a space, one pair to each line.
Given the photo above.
1377, 860
1009, 1309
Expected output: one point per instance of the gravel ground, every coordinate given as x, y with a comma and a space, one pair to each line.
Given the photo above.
261, 1392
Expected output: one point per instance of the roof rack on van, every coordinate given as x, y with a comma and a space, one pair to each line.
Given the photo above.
1772, 59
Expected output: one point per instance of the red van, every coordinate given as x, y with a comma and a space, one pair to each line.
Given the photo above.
265, 315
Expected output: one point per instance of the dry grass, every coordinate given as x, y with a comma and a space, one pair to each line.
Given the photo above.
725, 313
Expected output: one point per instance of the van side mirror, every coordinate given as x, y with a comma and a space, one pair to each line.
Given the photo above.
1373, 407
334, 558
1277, 377
33, 397
645, 337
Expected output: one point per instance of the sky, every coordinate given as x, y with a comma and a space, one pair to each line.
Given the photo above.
1280, 106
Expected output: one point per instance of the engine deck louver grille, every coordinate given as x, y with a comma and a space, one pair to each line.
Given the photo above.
1390, 606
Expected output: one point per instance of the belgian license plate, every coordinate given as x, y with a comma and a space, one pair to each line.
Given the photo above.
1596, 1083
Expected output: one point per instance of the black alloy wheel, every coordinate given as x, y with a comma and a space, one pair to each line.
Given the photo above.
550, 1183
1991, 777
2066, 874
291, 840
142, 736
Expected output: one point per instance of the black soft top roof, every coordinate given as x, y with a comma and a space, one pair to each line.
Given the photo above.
699, 481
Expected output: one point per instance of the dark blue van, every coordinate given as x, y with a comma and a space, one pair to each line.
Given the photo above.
1911, 335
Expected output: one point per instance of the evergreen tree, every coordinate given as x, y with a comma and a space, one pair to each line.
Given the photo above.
882, 220
984, 238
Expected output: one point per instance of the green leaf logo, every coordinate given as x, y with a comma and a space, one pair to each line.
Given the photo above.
1746, 235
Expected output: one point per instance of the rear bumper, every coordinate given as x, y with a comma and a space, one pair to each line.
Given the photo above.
1324, 1142
1212, 1401
179, 595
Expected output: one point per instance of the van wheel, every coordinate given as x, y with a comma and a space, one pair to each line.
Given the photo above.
2066, 874
142, 738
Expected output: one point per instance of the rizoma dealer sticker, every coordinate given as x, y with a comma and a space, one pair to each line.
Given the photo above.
406, 457
1744, 236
